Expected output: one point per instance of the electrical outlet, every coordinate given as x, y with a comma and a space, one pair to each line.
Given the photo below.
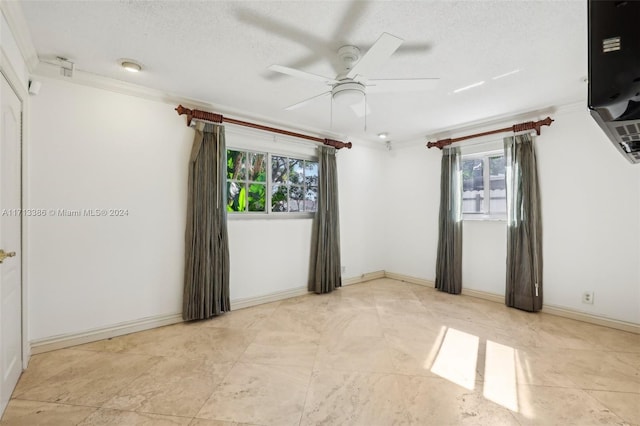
344, 269
587, 297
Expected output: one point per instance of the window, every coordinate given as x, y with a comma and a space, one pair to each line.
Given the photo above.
292, 183
484, 194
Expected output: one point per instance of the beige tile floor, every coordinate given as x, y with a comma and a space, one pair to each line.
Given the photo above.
377, 353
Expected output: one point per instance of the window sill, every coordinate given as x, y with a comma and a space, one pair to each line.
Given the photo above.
483, 218
269, 216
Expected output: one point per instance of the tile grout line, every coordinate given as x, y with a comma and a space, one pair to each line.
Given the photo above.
235, 362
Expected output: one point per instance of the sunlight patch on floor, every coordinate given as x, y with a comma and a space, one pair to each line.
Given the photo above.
524, 375
457, 357
500, 375
435, 348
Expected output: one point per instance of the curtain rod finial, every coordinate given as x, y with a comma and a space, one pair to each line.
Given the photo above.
440, 144
538, 124
182, 110
337, 144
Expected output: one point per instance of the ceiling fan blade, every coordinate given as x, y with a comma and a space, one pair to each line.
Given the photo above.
306, 101
407, 48
301, 74
349, 21
379, 52
283, 29
361, 109
402, 85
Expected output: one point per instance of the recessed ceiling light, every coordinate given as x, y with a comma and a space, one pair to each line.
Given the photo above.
471, 86
383, 135
131, 66
505, 74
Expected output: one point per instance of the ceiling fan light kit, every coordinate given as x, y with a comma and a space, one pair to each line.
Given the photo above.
347, 94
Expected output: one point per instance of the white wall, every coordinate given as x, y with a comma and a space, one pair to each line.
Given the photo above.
484, 253
362, 175
590, 207
93, 149
412, 197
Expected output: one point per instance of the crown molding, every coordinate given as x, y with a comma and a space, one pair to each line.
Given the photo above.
505, 120
12, 12
495, 121
50, 71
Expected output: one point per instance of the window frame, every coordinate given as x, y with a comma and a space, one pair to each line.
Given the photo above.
268, 213
486, 214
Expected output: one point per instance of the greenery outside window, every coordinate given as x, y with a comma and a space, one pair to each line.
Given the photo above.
484, 193
246, 181
290, 185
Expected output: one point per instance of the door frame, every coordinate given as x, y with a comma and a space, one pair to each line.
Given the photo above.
9, 73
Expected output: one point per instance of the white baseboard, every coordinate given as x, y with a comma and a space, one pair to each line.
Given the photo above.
492, 297
268, 298
547, 309
592, 319
563, 312
72, 339
409, 279
363, 278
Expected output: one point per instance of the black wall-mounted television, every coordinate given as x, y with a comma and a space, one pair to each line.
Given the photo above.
614, 72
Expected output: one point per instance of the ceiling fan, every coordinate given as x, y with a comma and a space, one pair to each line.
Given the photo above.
350, 87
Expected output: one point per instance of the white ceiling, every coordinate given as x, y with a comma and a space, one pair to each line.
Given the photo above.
218, 52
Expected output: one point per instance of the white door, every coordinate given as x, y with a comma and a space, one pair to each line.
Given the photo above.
10, 238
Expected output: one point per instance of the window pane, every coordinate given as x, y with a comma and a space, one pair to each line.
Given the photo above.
498, 194
496, 172
257, 199
472, 185
279, 198
311, 173
296, 171
236, 197
258, 170
236, 163
296, 198
279, 169
472, 171
311, 199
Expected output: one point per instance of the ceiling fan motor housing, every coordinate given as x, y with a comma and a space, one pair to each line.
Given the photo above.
349, 55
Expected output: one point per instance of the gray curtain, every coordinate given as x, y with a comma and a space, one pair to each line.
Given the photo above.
325, 269
524, 231
206, 275
449, 257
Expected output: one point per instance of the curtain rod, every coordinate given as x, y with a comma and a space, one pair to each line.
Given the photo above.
529, 125
218, 118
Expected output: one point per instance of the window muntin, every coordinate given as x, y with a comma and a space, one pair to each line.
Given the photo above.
291, 183
484, 186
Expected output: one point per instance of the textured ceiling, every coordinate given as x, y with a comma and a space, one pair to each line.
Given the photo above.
218, 52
